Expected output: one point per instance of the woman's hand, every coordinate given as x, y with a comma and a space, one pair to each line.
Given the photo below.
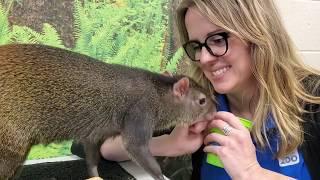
182, 140
186, 139
236, 149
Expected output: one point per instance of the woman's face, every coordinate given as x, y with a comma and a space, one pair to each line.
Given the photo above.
230, 73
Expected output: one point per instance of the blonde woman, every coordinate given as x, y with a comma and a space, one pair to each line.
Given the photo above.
243, 53
240, 50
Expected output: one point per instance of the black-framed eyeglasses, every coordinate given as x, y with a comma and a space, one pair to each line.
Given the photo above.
215, 44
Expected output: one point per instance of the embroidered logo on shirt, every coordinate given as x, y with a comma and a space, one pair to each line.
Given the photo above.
289, 160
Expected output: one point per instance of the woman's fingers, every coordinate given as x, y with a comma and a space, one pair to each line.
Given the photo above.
216, 139
212, 149
198, 127
230, 119
224, 127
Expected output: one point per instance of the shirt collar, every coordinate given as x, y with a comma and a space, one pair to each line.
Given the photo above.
223, 105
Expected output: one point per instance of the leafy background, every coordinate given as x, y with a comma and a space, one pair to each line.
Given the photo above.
135, 33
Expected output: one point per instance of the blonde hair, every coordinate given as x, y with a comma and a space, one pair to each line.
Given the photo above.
276, 64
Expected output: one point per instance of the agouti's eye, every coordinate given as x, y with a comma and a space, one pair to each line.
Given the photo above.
202, 101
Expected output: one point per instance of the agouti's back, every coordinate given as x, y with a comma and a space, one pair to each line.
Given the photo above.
55, 85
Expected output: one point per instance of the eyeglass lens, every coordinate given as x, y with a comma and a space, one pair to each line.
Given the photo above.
216, 45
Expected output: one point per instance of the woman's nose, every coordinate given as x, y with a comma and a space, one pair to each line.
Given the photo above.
206, 57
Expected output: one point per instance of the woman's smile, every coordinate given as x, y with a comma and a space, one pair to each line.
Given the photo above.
219, 72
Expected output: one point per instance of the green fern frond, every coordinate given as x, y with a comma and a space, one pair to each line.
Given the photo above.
173, 62
5, 34
83, 29
130, 34
50, 36
24, 34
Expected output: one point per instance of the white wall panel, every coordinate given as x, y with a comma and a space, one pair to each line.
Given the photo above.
302, 20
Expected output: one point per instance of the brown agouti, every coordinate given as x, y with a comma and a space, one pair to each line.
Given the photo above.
50, 94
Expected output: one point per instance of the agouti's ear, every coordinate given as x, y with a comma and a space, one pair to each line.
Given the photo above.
181, 87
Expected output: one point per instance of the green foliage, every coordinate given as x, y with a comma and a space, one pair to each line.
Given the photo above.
169, 43
48, 151
98, 29
5, 34
124, 32
48, 36
129, 32
24, 34
173, 62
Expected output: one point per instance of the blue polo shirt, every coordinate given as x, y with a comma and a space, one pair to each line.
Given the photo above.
292, 165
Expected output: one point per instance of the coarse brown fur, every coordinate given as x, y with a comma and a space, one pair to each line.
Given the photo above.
49, 94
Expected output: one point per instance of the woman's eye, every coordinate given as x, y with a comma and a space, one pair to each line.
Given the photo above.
216, 41
196, 48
